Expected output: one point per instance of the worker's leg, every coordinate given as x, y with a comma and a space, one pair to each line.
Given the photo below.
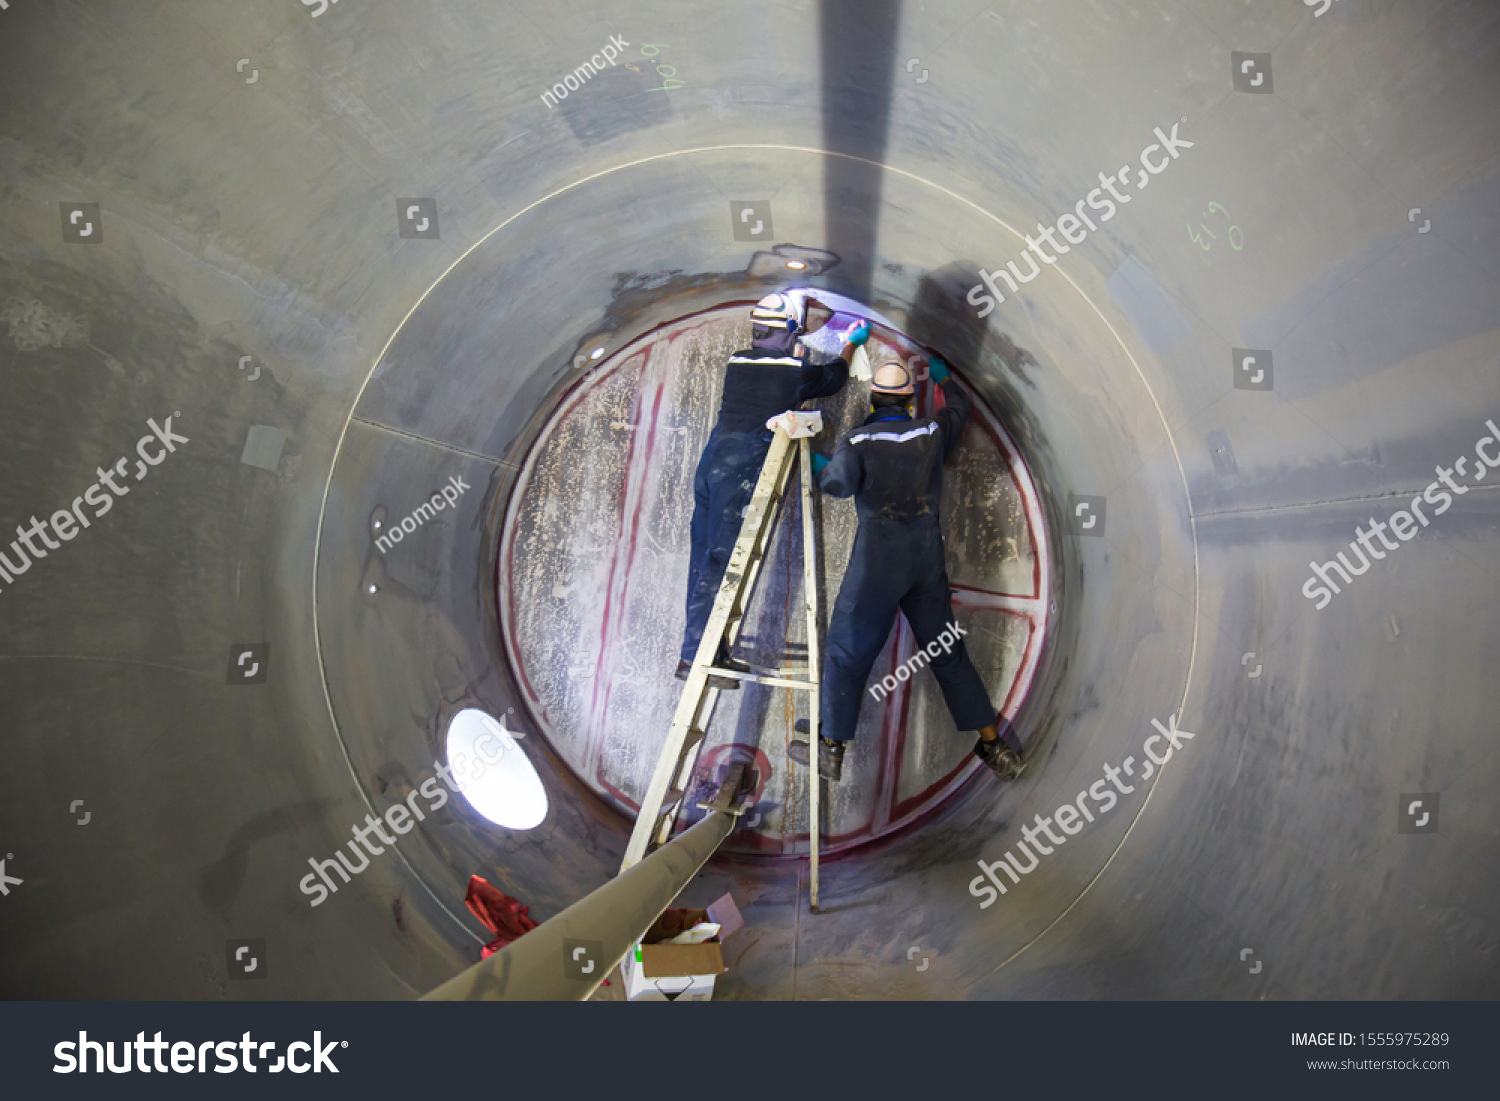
698, 533
928, 607
722, 489
929, 610
861, 623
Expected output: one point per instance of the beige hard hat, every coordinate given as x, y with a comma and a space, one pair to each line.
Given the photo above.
893, 378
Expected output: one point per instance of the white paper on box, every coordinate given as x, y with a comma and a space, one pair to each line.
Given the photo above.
704, 930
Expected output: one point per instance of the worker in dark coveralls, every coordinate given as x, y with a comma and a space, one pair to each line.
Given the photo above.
767, 379
893, 468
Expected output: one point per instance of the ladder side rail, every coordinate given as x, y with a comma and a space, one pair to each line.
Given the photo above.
762, 545
814, 664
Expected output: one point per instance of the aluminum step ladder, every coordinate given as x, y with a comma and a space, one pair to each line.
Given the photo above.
674, 769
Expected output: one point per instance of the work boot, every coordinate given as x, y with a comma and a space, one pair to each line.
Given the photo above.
1002, 761
723, 661
830, 754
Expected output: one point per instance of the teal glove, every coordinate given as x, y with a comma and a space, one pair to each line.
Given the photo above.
858, 335
819, 462
937, 370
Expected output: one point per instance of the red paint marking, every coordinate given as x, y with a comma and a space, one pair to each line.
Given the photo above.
621, 556
570, 400
720, 754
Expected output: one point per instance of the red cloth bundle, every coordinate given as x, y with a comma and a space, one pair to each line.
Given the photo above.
499, 913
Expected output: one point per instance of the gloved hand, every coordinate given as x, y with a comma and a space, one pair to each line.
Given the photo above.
819, 462
859, 334
937, 370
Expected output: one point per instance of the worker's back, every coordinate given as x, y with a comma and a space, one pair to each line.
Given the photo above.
762, 382
893, 464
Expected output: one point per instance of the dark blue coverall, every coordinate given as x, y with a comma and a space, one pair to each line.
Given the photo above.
893, 467
758, 384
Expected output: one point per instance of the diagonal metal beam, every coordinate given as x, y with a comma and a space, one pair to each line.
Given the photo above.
540, 966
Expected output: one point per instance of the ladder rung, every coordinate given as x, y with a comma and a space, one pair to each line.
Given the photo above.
772, 671
797, 649
757, 678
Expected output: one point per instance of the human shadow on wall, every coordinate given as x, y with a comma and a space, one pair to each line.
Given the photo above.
857, 43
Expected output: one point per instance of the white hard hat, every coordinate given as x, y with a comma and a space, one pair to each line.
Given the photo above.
774, 311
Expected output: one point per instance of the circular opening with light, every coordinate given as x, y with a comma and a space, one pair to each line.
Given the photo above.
493, 772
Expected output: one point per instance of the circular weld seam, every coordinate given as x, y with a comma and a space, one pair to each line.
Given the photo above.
1166, 428
1034, 613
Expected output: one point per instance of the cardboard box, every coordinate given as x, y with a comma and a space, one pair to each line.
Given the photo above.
679, 958
672, 972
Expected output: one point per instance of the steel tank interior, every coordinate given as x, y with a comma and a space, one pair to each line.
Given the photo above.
356, 257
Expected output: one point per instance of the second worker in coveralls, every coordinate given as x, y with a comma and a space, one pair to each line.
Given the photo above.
893, 467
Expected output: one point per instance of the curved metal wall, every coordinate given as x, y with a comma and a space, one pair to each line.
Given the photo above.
275, 200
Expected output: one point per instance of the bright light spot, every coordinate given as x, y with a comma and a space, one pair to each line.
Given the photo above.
796, 265
597, 352
493, 771
373, 589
